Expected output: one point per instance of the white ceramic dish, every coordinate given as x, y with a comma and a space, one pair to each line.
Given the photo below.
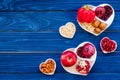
108, 22
68, 30
54, 67
72, 69
106, 51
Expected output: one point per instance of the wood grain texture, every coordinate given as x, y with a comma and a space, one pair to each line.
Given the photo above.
42, 21
45, 5
29, 35
3, 5
66, 76
42, 41
27, 64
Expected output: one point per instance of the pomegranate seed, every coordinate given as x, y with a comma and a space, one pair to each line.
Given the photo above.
108, 45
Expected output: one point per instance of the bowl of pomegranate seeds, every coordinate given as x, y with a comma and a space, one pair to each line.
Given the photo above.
107, 45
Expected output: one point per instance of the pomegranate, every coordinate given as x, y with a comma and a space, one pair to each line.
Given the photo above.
83, 67
108, 45
86, 51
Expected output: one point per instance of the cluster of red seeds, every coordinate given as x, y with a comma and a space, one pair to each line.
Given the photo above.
83, 69
108, 45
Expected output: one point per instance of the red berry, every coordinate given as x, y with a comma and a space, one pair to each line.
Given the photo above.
108, 45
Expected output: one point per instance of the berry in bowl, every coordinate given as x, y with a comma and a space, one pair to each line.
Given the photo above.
107, 45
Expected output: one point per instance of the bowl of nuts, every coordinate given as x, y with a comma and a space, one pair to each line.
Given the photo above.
48, 67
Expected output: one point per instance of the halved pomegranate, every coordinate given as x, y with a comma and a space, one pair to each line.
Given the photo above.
83, 66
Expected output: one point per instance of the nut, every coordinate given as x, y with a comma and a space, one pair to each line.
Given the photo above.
96, 23
97, 30
47, 67
102, 26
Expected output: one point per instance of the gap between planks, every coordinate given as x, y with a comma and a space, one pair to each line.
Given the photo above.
43, 10
46, 31
37, 52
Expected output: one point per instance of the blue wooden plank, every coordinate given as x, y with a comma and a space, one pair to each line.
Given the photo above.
42, 21
25, 32
3, 5
42, 41
28, 63
57, 5
32, 76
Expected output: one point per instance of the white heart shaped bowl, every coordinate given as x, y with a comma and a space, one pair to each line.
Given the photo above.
106, 51
52, 73
72, 69
65, 34
108, 22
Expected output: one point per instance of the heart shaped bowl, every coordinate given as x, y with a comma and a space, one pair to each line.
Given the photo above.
72, 69
43, 68
68, 30
109, 43
91, 29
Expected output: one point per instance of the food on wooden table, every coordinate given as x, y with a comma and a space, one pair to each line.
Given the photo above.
97, 30
68, 58
108, 45
86, 51
67, 30
96, 23
85, 14
86, 17
88, 26
108, 12
102, 26
99, 26
103, 12
96, 26
48, 67
83, 66
95, 19
100, 11
79, 60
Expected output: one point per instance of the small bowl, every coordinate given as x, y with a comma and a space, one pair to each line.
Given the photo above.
51, 73
106, 51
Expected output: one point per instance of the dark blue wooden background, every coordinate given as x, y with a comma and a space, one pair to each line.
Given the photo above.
29, 35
